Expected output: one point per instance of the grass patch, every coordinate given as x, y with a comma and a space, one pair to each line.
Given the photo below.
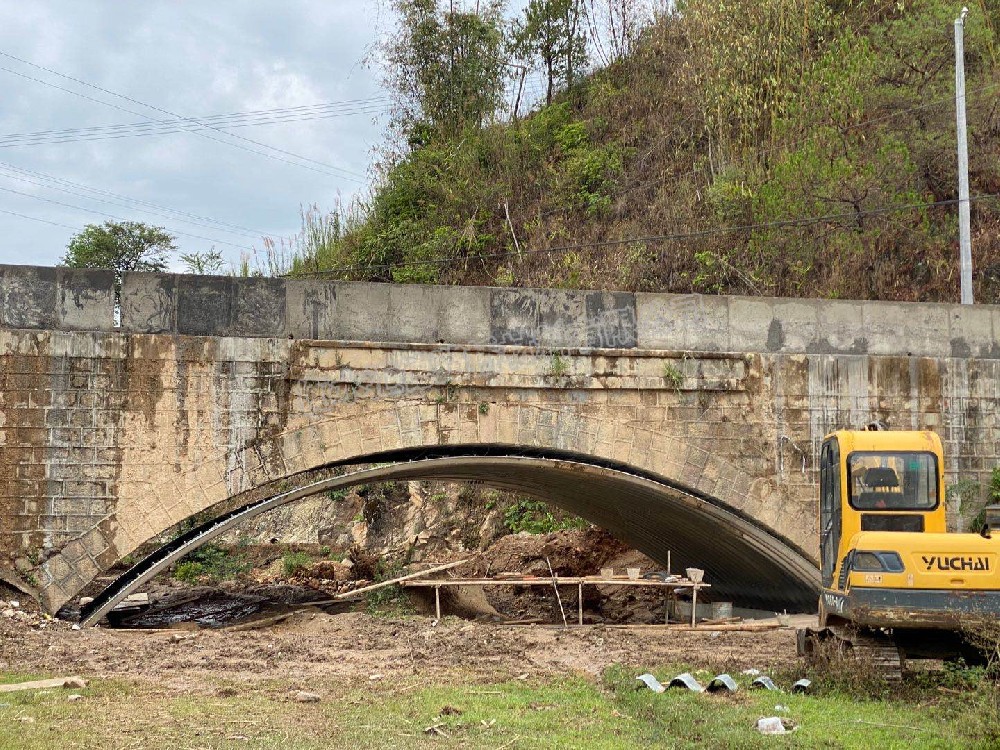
293, 562
535, 517
569, 712
212, 562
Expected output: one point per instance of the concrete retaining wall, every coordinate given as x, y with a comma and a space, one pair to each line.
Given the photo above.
72, 299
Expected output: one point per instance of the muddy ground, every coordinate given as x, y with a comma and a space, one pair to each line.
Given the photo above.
199, 637
314, 644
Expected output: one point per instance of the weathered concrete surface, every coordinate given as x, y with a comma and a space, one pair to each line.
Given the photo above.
214, 386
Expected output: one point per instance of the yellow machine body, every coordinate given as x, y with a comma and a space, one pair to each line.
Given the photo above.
887, 560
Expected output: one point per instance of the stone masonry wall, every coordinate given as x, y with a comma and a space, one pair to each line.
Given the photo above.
212, 386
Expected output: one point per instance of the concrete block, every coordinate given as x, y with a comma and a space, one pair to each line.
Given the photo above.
753, 326
839, 328
414, 313
259, 307
513, 318
311, 309
149, 303
611, 320
906, 328
28, 297
204, 305
971, 330
464, 315
538, 317
794, 326
682, 322
86, 299
363, 312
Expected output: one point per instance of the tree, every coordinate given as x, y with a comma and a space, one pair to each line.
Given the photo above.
120, 246
446, 66
551, 35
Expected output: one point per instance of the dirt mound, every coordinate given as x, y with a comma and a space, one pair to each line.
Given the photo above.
572, 552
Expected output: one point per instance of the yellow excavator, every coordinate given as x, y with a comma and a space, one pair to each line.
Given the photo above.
896, 585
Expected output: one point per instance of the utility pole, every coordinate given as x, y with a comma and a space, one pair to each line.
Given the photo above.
964, 221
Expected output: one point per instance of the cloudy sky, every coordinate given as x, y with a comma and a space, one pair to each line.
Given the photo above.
298, 63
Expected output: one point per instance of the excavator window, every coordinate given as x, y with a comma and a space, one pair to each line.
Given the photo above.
892, 481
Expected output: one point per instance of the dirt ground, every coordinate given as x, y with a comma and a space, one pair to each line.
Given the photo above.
357, 645
314, 644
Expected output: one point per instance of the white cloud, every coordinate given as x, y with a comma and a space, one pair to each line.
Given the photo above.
193, 59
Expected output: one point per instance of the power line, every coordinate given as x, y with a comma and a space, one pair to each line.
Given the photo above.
117, 218
345, 174
35, 218
653, 239
121, 204
275, 111
223, 225
165, 127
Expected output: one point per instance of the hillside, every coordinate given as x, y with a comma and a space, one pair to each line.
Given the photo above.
766, 147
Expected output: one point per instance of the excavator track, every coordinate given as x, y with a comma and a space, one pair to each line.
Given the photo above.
869, 647
876, 649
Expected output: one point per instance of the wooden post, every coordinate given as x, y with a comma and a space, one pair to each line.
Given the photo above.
580, 598
694, 604
437, 602
666, 606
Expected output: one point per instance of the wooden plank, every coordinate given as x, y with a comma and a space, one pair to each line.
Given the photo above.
400, 579
565, 581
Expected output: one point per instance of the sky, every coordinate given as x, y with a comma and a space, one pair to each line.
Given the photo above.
187, 59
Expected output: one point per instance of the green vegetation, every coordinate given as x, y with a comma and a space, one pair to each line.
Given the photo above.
672, 376
558, 366
336, 495
212, 562
120, 246
535, 517
388, 601
756, 147
293, 562
556, 713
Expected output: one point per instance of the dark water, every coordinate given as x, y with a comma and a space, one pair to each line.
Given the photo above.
216, 608
213, 609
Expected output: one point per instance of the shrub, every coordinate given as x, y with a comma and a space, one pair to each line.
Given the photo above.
212, 562
534, 517
293, 562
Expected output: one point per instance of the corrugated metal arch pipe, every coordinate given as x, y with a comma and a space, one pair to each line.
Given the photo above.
744, 561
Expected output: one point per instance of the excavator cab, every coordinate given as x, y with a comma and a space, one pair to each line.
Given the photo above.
876, 481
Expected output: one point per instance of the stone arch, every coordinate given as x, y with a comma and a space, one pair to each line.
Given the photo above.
358, 432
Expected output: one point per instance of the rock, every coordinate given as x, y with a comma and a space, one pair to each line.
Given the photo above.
9, 613
14, 603
74, 697
75, 682
85, 600
304, 697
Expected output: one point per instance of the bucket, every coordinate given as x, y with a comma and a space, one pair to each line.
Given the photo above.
722, 610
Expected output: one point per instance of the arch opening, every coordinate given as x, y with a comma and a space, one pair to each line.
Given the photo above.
744, 561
